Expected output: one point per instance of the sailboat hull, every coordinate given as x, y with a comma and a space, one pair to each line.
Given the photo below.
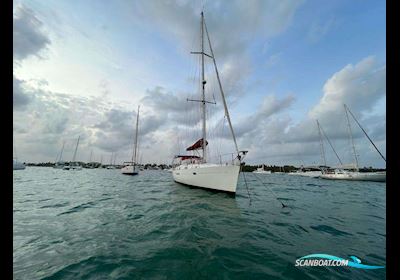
214, 177
18, 166
129, 170
312, 174
263, 172
356, 176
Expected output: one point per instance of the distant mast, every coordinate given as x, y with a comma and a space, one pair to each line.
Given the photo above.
351, 137
58, 159
372, 142
134, 155
321, 144
76, 149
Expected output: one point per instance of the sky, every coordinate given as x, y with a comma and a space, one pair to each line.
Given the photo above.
82, 68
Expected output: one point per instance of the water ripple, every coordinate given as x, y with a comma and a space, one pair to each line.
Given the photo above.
99, 224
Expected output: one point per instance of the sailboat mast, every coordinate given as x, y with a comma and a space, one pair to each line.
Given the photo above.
76, 149
203, 82
220, 88
351, 137
330, 144
321, 144
365, 133
134, 157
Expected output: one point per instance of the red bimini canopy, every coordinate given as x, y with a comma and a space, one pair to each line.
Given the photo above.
198, 145
183, 157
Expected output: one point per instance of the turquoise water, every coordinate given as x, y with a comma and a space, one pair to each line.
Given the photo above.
99, 224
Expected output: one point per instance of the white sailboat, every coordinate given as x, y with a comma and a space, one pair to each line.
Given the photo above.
304, 173
355, 175
261, 170
59, 163
281, 170
310, 171
73, 165
194, 170
16, 164
342, 174
111, 165
131, 168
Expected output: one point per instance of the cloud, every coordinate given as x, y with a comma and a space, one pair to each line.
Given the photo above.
28, 39
20, 98
320, 29
232, 29
116, 131
360, 86
174, 108
256, 122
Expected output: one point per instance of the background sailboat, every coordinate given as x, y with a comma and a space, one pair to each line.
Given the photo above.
59, 163
131, 168
355, 174
73, 165
16, 164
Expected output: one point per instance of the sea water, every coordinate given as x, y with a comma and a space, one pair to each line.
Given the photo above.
100, 224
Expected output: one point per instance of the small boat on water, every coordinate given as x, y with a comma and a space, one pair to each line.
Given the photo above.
73, 165
312, 174
18, 165
59, 163
132, 168
261, 170
341, 174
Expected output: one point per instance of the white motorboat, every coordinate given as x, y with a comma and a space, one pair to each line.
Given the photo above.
261, 170
194, 170
132, 168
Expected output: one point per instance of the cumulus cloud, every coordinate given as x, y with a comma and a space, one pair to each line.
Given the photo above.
361, 87
269, 107
231, 28
20, 98
174, 108
28, 38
